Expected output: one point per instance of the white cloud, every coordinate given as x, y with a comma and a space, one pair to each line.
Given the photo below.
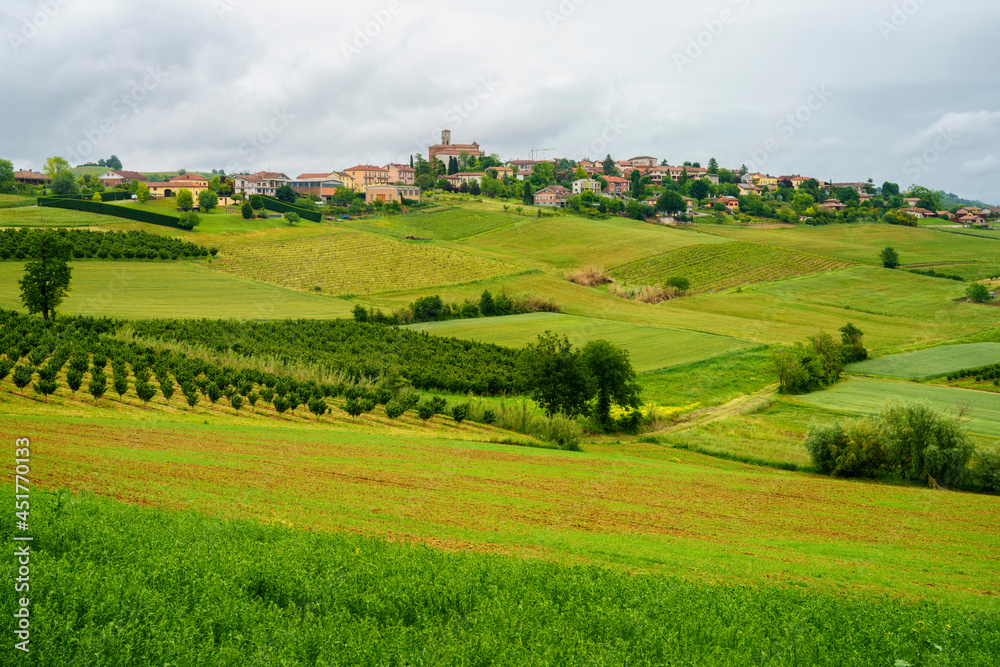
981, 167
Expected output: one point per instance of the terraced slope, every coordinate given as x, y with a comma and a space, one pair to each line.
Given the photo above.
719, 266
355, 263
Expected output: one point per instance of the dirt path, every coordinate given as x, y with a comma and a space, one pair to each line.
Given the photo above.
737, 406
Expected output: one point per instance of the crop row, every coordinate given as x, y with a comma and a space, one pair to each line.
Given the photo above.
719, 266
355, 263
17, 244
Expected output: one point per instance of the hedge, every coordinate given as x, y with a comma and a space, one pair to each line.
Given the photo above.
110, 195
272, 204
108, 209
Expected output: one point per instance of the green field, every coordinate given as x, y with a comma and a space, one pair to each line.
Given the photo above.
445, 223
862, 242
347, 262
930, 362
717, 267
867, 397
52, 217
650, 347
184, 588
139, 290
567, 242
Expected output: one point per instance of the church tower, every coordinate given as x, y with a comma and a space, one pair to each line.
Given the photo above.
446, 137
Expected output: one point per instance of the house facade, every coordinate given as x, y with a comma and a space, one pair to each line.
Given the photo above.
583, 184
116, 177
388, 193
553, 195
29, 177
261, 183
401, 173
367, 174
617, 186
170, 188
643, 161
321, 185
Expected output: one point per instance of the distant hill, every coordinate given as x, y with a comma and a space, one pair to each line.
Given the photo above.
949, 201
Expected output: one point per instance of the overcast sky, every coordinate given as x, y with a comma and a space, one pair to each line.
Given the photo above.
848, 90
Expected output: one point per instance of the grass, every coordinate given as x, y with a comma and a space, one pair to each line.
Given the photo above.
114, 584
649, 347
444, 224
711, 382
52, 217
930, 362
720, 266
567, 242
640, 509
862, 242
348, 262
220, 220
172, 289
867, 397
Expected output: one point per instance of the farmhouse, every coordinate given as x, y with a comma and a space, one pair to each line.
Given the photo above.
116, 177
832, 205
31, 178
554, 195
388, 193
261, 183
366, 174
192, 182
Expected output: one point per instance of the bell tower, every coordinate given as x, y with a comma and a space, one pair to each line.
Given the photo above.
446, 137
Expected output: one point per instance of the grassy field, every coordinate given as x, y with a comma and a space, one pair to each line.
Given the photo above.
445, 223
52, 217
635, 507
717, 267
893, 308
867, 397
568, 242
650, 347
139, 290
346, 262
711, 382
184, 588
930, 362
863, 242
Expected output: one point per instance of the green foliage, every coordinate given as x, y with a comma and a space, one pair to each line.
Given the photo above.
913, 441
890, 258
805, 368
23, 374
285, 193
17, 244
977, 292
426, 410
613, 376
246, 210
141, 215
207, 200
556, 376
272, 204
189, 220
256, 202
394, 409
852, 344
98, 383
63, 184
185, 200
46, 278
145, 391
460, 412
292, 217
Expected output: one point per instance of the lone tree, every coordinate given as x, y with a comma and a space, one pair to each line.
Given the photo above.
890, 258
285, 193
556, 376
47, 276
185, 200
977, 292
613, 376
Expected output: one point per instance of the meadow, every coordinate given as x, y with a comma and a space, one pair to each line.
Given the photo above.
638, 507
185, 588
863, 396
568, 242
862, 242
347, 262
168, 289
650, 347
931, 362
721, 266
52, 217
442, 223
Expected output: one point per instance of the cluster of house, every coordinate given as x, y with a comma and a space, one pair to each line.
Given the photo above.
396, 182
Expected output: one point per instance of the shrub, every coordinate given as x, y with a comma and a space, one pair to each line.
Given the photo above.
913, 441
98, 383
145, 391
246, 210
589, 276
394, 409
426, 410
489, 416
280, 404
188, 220
977, 292
460, 412
23, 375
74, 378
236, 401
353, 407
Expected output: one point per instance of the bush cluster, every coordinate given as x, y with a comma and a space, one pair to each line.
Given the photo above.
16, 244
805, 368
434, 309
139, 215
914, 442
